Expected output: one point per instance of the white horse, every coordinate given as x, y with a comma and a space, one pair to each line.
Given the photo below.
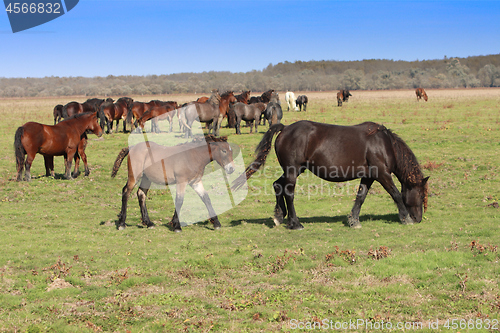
290, 101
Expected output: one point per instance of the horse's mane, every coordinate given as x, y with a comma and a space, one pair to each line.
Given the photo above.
227, 94
407, 164
214, 98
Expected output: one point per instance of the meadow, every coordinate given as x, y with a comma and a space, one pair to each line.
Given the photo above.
64, 267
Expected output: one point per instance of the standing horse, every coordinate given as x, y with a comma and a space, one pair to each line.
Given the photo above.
341, 153
64, 138
250, 113
116, 111
243, 97
264, 98
226, 100
302, 101
160, 111
137, 109
273, 113
207, 112
90, 105
420, 92
58, 113
290, 101
181, 165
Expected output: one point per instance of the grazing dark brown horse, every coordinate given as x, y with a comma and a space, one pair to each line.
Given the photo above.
251, 113
207, 112
58, 113
341, 153
273, 112
302, 100
420, 92
181, 165
160, 111
116, 111
243, 97
64, 138
343, 96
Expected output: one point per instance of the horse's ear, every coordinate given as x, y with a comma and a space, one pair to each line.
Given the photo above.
424, 181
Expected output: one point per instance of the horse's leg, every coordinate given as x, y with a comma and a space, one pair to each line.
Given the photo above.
81, 153
289, 180
127, 189
49, 165
171, 122
256, 123
179, 200
280, 208
27, 166
141, 195
364, 187
200, 190
238, 126
386, 181
20, 168
68, 160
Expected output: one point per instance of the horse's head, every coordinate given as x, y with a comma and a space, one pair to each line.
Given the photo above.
415, 198
222, 153
94, 125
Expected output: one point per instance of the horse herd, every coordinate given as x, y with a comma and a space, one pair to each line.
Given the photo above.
367, 151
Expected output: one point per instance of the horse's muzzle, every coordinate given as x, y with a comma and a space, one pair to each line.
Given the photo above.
229, 168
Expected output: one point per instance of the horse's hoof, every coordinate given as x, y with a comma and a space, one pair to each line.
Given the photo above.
122, 227
296, 227
178, 230
355, 226
151, 227
276, 222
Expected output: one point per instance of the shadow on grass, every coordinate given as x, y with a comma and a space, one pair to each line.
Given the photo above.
387, 218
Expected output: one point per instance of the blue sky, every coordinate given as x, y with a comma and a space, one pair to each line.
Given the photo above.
117, 37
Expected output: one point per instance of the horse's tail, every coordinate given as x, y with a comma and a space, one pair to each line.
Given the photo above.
119, 159
182, 118
262, 151
19, 149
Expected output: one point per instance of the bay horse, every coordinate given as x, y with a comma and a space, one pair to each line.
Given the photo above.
302, 100
116, 111
181, 165
160, 111
341, 153
67, 138
137, 109
243, 97
57, 113
207, 112
343, 96
226, 100
250, 113
420, 92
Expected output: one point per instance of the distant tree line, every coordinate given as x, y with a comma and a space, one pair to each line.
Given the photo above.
478, 71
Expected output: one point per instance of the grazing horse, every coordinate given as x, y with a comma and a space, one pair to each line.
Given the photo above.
341, 153
340, 97
116, 111
181, 165
343, 96
290, 101
243, 97
302, 101
160, 111
58, 113
207, 112
251, 113
64, 138
420, 92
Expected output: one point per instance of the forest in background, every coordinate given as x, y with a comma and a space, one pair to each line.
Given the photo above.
326, 75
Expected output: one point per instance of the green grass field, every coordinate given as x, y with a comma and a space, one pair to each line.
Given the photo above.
65, 268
